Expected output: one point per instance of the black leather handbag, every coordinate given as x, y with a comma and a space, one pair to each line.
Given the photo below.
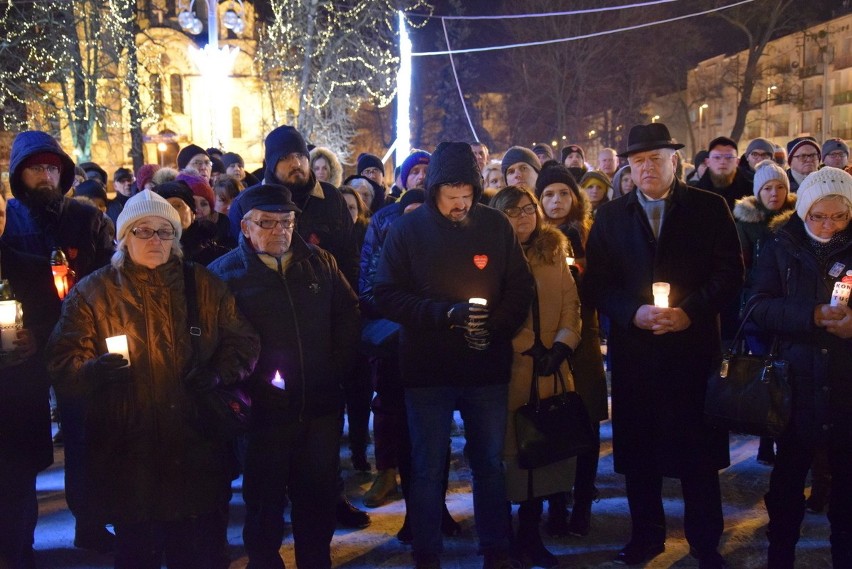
749, 394
552, 429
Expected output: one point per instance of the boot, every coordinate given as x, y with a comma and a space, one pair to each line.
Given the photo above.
557, 515
820, 490
581, 514
766, 451
383, 489
781, 554
449, 526
404, 534
530, 549
93, 536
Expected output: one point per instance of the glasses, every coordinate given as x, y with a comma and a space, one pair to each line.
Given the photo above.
42, 168
722, 157
273, 223
836, 218
759, 154
200, 163
836, 154
528, 209
147, 233
805, 157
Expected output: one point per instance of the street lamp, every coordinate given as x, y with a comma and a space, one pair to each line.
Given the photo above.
701, 123
161, 150
766, 111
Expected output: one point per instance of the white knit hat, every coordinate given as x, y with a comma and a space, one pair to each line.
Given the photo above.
769, 170
143, 204
825, 181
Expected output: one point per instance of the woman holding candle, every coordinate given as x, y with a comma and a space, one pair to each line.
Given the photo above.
567, 208
792, 286
162, 479
559, 307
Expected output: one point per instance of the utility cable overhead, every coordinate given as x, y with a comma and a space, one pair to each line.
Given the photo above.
548, 14
584, 36
458, 85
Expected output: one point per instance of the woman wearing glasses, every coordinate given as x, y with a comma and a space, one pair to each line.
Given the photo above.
559, 308
157, 473
793, 285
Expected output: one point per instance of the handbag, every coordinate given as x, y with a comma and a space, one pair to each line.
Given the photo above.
379, 338
552, 429
749, 394
227, 409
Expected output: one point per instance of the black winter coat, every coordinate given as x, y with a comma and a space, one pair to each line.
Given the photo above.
658, 382
741, 187
430, 263
24, 387
794, 283
308, 323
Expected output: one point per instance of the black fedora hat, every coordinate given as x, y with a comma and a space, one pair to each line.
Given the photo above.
645, 137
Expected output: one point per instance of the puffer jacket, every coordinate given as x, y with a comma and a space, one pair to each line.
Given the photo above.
151, 457
309, 327
791, 282
371, 252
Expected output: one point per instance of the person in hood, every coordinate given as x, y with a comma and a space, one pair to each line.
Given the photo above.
326, 166
438, 264
325, 219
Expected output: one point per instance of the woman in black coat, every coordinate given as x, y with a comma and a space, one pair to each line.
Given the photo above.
793, 286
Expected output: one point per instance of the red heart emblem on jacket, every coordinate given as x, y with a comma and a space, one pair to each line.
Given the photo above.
480, 261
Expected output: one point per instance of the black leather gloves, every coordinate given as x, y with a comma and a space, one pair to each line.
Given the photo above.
550, 361
202, 380
536, 352
108, 368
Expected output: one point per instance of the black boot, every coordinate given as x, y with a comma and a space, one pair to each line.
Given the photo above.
528, 544
581, 514
557, 515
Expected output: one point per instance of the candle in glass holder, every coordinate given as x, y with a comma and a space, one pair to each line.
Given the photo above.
480, 301
8, 324
278, 381
569, 260
840, 294
661, 294
118, 345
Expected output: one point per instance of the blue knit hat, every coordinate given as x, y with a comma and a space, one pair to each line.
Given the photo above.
415, 158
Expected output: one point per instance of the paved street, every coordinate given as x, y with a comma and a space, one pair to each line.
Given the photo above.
744, 542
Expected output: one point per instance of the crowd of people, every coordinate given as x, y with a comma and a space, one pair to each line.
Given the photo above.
449, 288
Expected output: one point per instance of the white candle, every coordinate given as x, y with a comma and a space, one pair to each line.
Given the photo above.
840, 294
661, 294
481, 301
7, 338
569, 260
118, 345
278, 381
9, 324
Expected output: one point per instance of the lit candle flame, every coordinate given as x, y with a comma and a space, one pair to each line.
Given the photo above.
278, 381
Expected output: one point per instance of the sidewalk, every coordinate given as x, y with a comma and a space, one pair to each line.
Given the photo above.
743, 544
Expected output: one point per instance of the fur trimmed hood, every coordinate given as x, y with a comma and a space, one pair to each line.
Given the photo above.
749, 209
336, 178
780, 220
549, 247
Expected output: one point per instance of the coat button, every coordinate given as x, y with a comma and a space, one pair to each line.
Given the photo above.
823, 351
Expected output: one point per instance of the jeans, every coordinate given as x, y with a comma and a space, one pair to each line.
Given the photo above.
430, 411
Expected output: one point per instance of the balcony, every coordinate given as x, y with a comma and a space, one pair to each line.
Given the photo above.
811, 70
843, 98
842, 61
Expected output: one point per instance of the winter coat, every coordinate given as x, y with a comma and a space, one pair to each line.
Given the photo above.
308, 323
151, 457
658, 382
336, 177
753, 227
371, 252
24, 386
794, 282
559, 309
738, 189
428, 264
115, 206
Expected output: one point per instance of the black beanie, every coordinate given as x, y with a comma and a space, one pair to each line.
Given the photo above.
91, 189
414, 195
519, 154
179, 190
282, 142
369, 161
555, 174
218, 165
454, 163
187, 153
232, 158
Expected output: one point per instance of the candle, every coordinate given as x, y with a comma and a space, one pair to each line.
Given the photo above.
118, 345
569, 260
840, 294
480, 301
8, 324
661, 294
278, 381
60, 280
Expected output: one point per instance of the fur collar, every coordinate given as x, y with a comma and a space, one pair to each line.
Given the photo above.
777, 222
749, 210
549, 247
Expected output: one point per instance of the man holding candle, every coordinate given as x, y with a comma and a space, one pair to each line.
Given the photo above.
661, 357
40, 218
307, 317
25, 445
455, 354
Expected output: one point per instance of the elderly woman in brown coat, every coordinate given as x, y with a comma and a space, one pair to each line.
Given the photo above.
559, 308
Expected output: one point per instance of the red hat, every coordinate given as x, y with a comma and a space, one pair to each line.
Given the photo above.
199, 187
48, 158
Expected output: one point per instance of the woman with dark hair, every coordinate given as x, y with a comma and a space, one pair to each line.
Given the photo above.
546, 249
567, 208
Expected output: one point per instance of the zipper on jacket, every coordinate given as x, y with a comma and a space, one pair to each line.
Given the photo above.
299, 342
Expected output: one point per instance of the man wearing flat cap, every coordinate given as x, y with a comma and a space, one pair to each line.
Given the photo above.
661, 357
307, 316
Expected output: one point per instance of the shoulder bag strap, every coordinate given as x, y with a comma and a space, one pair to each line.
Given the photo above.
192, 315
